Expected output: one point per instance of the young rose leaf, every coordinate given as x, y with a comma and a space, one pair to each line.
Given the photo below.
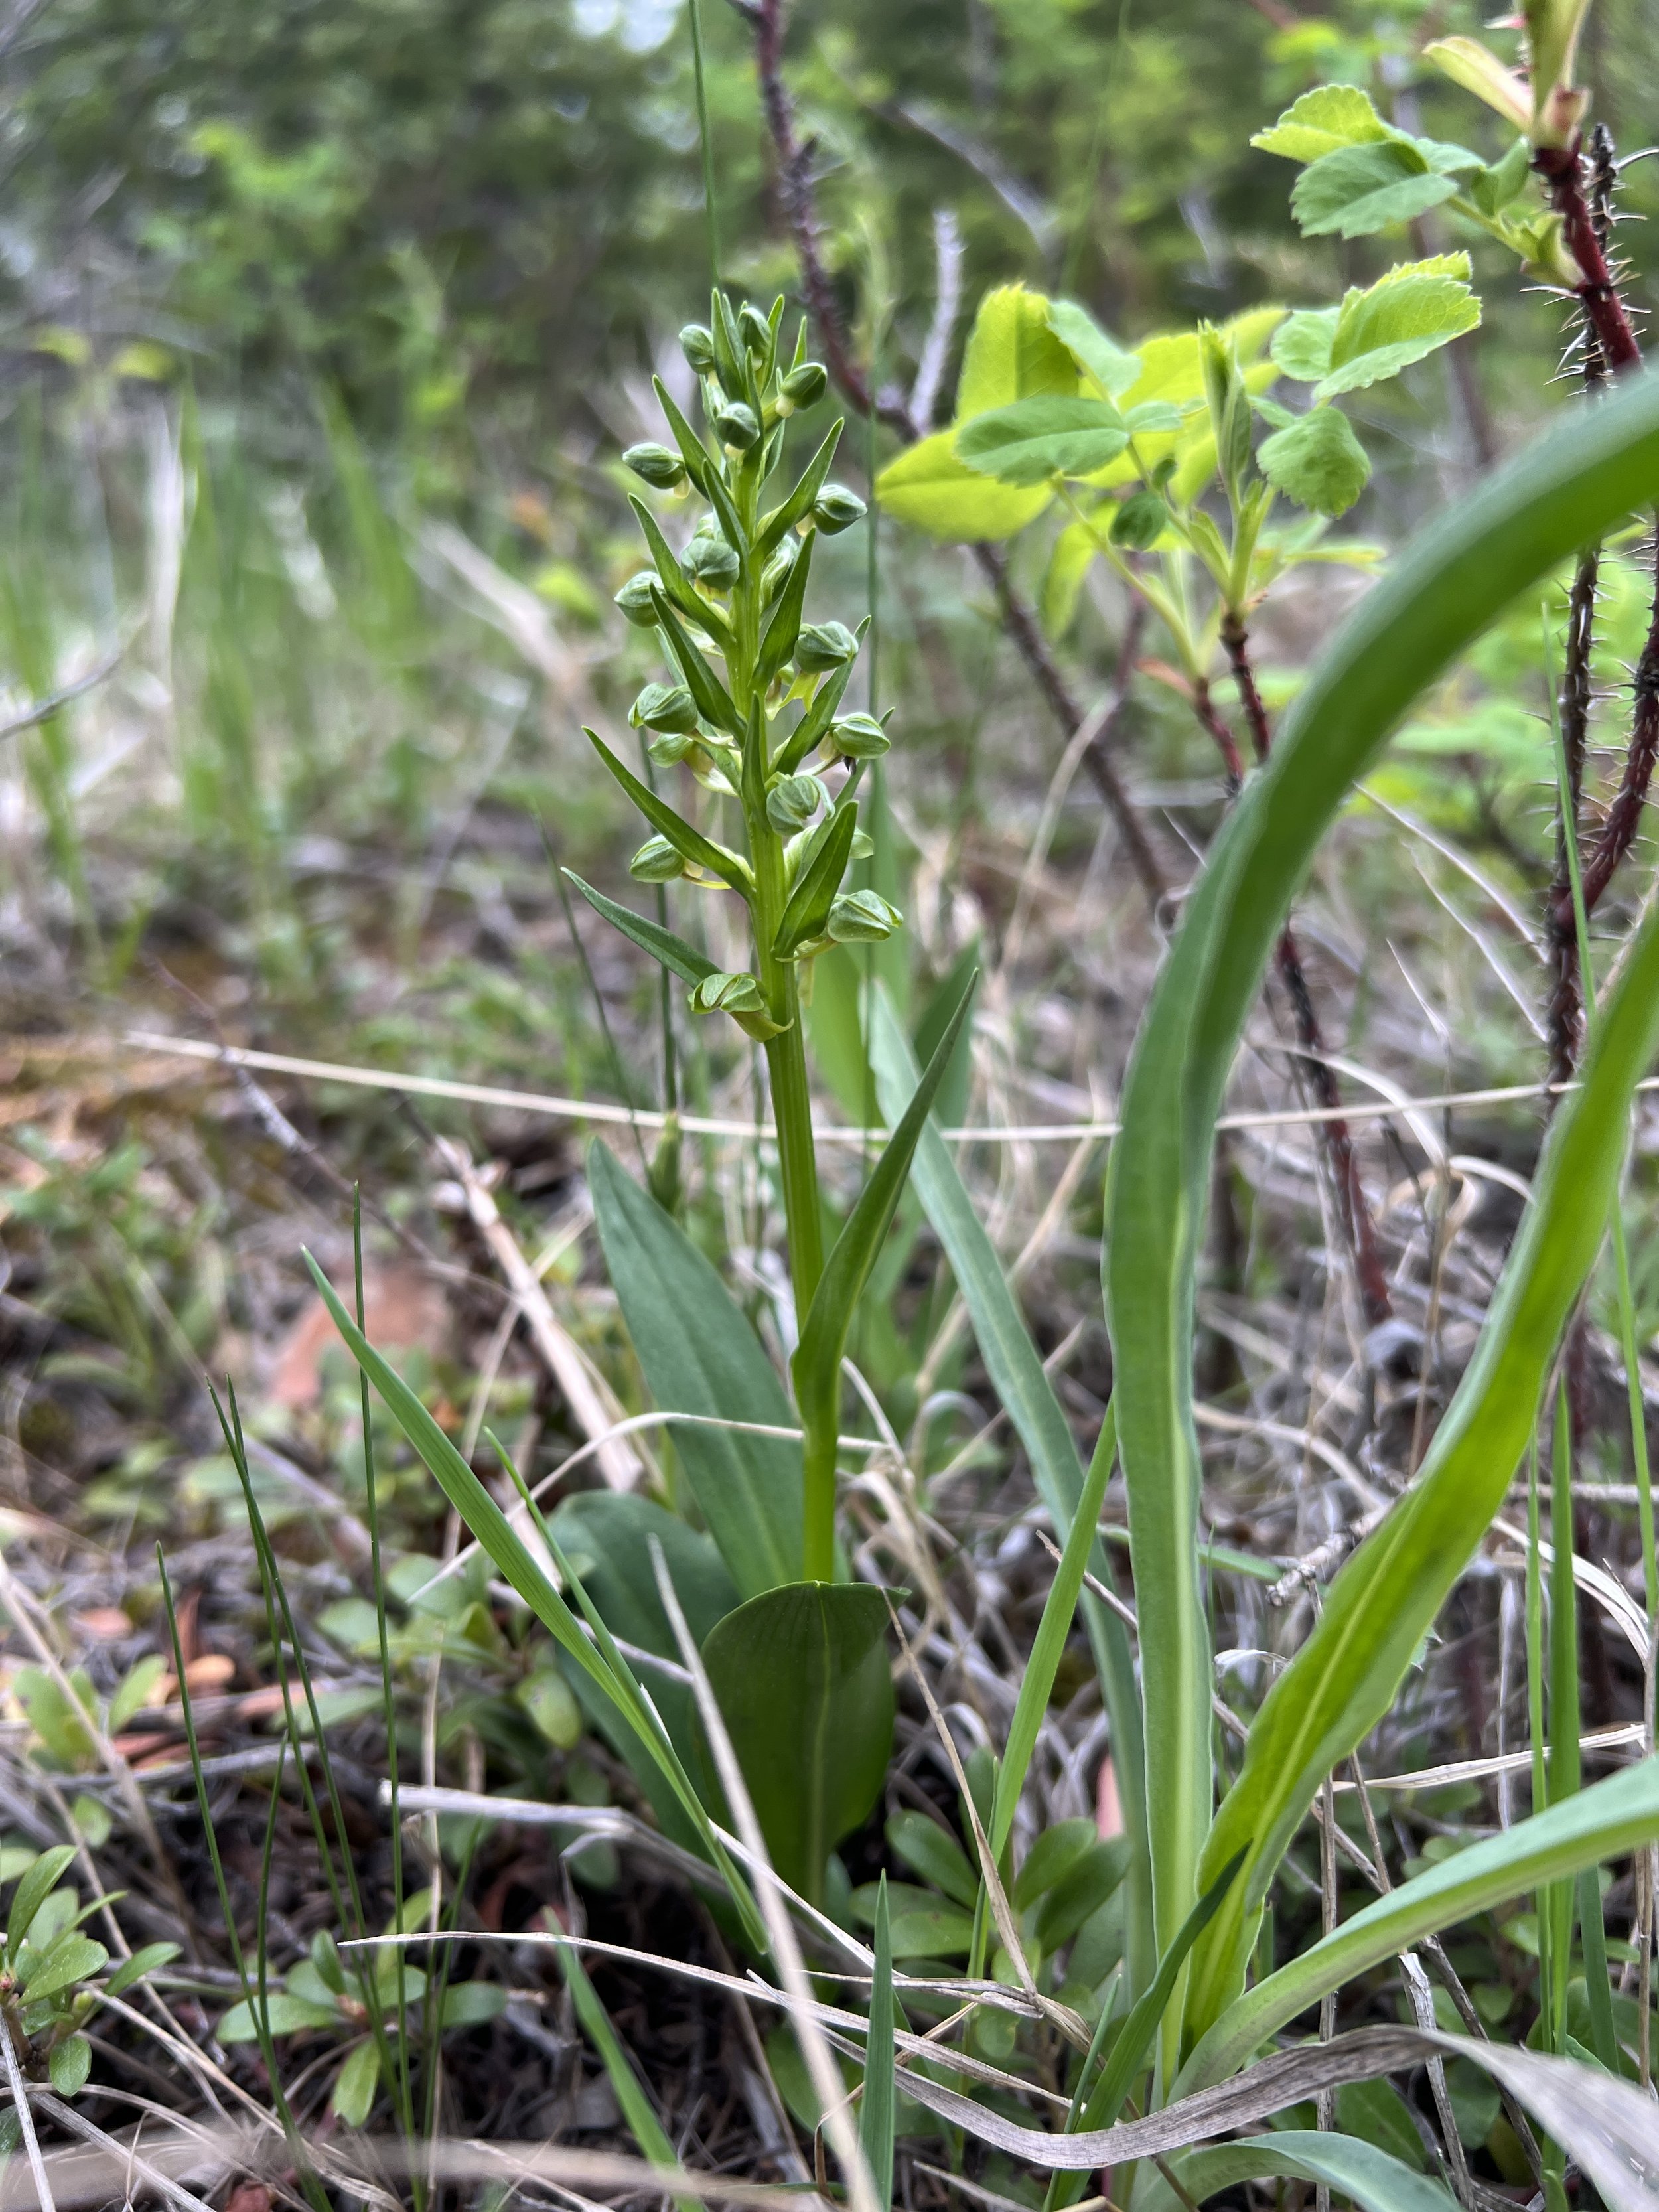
1069, 563
1321, 122
1318, 462
1011, 354
1478, 71
1416, 308
933, 490
1112, 367
1361, 189
1302, 344
1035, 438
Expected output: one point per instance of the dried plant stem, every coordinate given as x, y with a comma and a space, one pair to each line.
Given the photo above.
793, 157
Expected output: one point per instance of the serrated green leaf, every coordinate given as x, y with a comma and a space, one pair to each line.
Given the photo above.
1302, 344
1416, 308
1112, 366
1318, 462
1026, 443
673, 952
1322, 121
1361, 189
353, 2094
1011, 354
930, 489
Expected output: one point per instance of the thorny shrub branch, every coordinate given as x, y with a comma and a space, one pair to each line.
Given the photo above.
794, 156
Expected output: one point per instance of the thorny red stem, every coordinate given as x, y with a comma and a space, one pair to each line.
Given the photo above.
1567, 1007
1354, 1209
793, 158
1562, 169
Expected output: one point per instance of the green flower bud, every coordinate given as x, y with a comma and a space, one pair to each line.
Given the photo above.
658, 465
656, 862
668, 747
663, 707
792, 803
738, 995
804, 386
637, 601
824, 645
697, 344
777, 571
862, 918
710, 561
835, 509
735, 426
858, 737
1139, 521
754, 328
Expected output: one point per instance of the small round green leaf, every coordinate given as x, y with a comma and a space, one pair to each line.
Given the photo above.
70, 2064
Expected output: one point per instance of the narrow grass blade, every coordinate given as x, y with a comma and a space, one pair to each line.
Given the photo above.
816, 1363
877, 2112
637, 2110
1024, 1390
1601, 1823
1565, 1762
495, 1532
1346, 1675
1568, 487
1374, 2180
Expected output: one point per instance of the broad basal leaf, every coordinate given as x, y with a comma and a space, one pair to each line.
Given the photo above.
1035, 438
801, 1679
699, 1355
1011, 354
1361, 189
930, 488
1318, 462
1413, 310
1322, 121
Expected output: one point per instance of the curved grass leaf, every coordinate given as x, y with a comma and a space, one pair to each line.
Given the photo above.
801, 1678
877, 2113
816, 1363
1025, 1394
699, 1355
501, 1541
1603, 1822
1564, 490
1375, 2181
673, 952
1345, 1677
1607, 2125
637, 2109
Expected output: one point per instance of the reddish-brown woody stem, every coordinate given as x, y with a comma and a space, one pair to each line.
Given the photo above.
1562, 169
793, 160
